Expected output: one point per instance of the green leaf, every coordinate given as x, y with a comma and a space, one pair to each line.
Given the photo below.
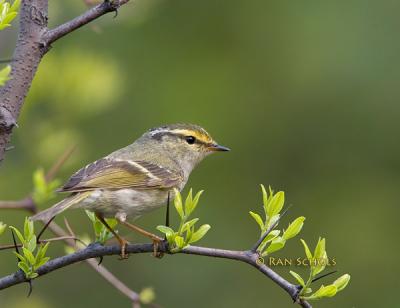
19, 235
342, 282
15, 6
29, 256
166, 230
178, 203
307, 250
264, 196
258, 219
196, 200
24, 267
28, 228
298, 278
294, 228
189, 203
200, 233
273, 234
323, 291
42, 251
20, 257
31, 243
272, 220
320, 264
41, 263
179, 241
189, 224
276, 203
319, 249
277, 244
2, 227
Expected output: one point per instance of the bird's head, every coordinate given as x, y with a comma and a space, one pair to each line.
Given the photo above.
187, 144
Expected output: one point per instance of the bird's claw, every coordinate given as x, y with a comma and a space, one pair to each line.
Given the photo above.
123, 255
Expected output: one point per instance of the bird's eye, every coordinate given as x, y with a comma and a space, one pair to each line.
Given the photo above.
190, 139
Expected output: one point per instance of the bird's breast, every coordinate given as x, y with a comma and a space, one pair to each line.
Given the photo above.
131, 202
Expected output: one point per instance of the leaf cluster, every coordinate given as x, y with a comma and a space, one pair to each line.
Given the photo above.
276, 239
32, 256
8, 12
101, 232
187, 232
318, 261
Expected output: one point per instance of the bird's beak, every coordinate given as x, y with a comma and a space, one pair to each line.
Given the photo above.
214, 147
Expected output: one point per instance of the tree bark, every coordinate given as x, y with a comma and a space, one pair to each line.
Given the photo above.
27, 55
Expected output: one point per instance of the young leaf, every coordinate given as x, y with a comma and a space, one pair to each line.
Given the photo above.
294, 228
31, 243
189, 202
178, 203
166, 230
19, 235
196, 200
199, 234
179, 241
20, 257
342, 282
189, 224
24, 267
277, 244
42, 251
258, 219
319, 249
29, 256
298, 278
2, 228
275, 205
264, 195
40, 263
28, 228
307, 250
320, 264
323, 291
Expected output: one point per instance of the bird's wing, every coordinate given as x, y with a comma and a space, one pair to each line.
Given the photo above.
109, 173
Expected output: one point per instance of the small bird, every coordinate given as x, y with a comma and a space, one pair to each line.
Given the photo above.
136, 179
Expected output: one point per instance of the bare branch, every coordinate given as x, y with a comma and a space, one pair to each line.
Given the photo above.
96, 250
95, 12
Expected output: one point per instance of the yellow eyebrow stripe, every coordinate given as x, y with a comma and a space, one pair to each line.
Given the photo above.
199, 135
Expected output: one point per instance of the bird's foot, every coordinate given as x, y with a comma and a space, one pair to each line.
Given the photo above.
123, 243
157, 242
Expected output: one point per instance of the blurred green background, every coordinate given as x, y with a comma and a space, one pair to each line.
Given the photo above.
305, 93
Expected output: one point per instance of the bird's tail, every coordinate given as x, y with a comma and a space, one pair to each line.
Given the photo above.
59, 207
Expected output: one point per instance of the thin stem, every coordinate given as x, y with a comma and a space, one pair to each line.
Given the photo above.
93, 13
